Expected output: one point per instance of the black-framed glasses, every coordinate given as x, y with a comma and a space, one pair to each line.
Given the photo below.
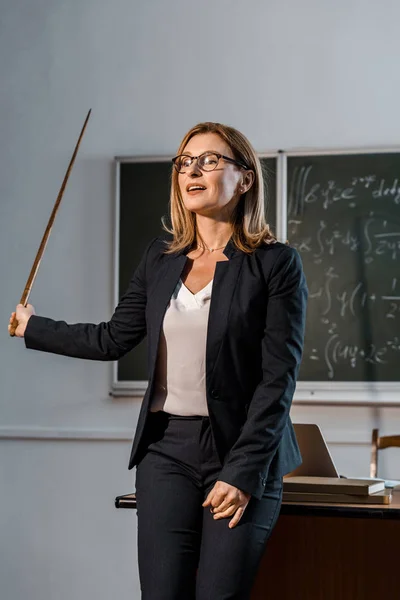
208, 161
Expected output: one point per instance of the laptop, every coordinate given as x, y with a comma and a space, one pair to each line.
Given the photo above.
317, 460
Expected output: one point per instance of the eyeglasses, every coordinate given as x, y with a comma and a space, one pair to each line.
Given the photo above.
208, 161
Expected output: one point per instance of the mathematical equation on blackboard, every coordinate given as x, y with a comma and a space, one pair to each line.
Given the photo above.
327, 194
352, 302
375, 239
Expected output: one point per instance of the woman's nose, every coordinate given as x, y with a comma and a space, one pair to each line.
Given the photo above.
194, 169
194, 172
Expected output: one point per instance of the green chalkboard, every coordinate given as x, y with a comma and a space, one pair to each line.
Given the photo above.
143, 198
344, 218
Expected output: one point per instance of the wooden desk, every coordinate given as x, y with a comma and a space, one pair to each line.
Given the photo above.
329, 552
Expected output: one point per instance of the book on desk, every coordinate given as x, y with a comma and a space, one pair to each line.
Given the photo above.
335, 489
332, 485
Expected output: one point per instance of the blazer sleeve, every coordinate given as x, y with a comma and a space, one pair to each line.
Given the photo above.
103, 341
247, 464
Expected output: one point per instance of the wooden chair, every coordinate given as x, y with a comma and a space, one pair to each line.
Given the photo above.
379, 443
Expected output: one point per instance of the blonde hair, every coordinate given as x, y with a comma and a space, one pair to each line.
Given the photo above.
249, 227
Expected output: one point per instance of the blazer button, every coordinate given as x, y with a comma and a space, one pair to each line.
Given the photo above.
214, 394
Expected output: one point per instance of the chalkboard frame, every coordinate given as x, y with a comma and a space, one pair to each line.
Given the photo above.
307, 392
138, 387
361, 393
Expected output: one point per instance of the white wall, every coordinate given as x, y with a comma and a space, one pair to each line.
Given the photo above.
288, 74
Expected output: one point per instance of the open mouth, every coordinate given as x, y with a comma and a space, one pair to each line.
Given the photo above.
192, 188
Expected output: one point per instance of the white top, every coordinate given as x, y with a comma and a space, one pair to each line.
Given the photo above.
180, 379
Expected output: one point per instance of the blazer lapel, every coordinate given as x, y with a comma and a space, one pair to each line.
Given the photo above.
225, 279
167, 281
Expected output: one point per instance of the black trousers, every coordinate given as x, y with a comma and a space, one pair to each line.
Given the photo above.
184, 554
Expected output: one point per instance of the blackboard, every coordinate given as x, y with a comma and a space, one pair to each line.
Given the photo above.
143, 187
344, 218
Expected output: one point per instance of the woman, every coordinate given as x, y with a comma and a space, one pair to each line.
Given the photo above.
223, 306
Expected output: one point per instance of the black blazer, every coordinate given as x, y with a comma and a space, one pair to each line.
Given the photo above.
254, 346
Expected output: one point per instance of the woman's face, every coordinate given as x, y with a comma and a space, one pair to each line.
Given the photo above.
220, 187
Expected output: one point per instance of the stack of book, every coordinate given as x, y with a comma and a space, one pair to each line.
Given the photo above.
335, 489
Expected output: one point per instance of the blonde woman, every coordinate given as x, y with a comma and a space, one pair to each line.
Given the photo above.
223, 306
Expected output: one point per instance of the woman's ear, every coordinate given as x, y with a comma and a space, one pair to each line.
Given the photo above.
247, 181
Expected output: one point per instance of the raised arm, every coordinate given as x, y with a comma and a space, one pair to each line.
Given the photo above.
104, 341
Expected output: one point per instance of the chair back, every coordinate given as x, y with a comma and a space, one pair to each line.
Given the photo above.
380, 443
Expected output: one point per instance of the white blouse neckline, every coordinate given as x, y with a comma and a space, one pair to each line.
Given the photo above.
199, 298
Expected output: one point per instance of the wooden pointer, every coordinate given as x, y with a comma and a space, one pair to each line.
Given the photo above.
38, 258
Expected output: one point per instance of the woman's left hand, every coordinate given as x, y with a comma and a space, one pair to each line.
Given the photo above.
227, 500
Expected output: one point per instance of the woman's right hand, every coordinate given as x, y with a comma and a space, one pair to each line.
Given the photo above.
22, 314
